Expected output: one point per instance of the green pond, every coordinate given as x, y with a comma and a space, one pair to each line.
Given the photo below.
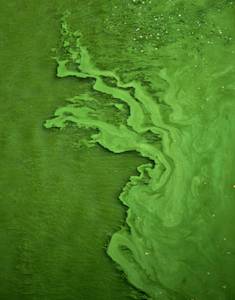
117, 150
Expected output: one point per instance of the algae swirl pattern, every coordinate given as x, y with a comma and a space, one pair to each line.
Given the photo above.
167, 217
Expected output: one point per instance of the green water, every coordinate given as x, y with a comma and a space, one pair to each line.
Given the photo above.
149, 77
58, 203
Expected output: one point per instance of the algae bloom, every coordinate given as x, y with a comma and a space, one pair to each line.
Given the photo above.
171, 246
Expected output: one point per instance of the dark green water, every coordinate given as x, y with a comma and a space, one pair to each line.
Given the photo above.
169, 67
58, 204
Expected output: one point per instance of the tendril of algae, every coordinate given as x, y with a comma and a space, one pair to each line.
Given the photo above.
135, 247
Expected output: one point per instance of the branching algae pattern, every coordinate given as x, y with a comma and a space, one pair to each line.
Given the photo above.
171, 246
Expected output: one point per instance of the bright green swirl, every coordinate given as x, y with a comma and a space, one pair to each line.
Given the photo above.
164, 228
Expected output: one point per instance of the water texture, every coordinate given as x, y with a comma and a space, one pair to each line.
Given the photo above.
178, 238
52, 231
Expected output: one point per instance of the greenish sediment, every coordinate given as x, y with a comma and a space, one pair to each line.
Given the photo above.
168, 246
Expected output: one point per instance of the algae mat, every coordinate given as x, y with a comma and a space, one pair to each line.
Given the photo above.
150, 79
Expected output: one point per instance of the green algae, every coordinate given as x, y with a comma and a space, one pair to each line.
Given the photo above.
171, 246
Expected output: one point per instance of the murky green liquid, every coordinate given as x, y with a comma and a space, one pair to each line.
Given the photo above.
152, 77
